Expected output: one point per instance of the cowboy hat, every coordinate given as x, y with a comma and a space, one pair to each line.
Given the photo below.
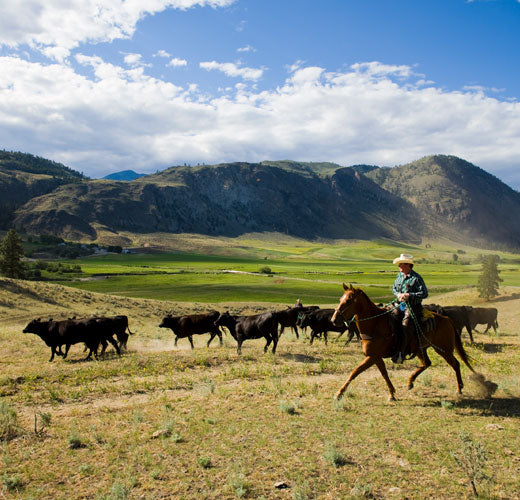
404, 258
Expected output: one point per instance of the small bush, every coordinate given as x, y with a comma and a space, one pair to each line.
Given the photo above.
8, 421
177, 438
75, 441
471, 458
204, 462
335, 456
265, 270
362, 490
239, 485
447, 405
290, 408
302, 492
12, 482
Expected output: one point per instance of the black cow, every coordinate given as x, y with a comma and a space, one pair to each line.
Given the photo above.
69, 332
251, 327
320, 323
118, 325
288, 318
484, 316
459, 315
193, 324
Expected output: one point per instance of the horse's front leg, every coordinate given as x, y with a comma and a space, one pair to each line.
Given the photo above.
382, 368
364, 365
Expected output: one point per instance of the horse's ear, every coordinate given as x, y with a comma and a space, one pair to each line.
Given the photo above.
351, 287
345, 287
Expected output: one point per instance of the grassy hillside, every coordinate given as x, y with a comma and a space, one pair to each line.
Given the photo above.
230, 427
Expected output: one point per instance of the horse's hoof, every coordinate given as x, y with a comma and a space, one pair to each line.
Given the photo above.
392, 398
337, 396
410, 387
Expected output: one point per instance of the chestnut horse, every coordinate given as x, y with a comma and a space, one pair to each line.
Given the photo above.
378, 343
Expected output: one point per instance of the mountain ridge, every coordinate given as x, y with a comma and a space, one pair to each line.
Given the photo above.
435, 195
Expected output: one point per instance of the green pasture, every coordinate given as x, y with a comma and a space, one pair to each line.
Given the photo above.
280, 272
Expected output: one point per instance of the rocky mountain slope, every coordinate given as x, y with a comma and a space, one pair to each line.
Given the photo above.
437, 195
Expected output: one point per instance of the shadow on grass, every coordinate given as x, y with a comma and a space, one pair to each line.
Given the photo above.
300, 358
492, 347
106, 357
497, 407
513, 296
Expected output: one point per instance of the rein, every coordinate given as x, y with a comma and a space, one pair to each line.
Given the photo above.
348, 322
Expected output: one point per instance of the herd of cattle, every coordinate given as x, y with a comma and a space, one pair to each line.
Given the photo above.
99, 331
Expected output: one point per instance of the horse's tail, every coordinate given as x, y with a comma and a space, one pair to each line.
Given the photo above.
462, 352
486, 387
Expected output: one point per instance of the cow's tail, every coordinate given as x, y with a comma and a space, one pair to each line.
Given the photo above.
130, 332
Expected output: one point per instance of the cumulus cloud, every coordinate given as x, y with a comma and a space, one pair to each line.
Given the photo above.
43, 24
370, 113
162, 53
135, 60
176, 62
233, 70
247, 48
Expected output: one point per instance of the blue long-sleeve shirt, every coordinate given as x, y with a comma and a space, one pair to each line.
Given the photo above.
411, 283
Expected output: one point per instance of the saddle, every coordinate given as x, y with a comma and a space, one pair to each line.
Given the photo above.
427, 321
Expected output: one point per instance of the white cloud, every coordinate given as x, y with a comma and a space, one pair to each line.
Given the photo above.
122, 118
162, 53
233, 70
247, 48
65, 24
135, 60
175, 62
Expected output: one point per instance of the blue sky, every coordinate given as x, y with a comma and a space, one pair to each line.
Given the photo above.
108, 85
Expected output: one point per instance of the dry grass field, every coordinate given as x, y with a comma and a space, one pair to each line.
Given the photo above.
176, 423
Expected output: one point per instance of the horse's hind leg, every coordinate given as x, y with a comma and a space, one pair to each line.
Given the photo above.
364, 365
453, 362
382, 368
425, 361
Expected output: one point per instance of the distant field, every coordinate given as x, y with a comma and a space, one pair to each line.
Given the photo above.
299, 269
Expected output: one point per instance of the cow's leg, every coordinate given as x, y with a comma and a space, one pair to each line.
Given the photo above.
114, 343
295, 330
380, 362
219, 333
52, 354
350, 336
89, 355
104, 346
275, 342
212, 336
313, 334
239, 346
67, 347
176, 339
190, 338
325, 337
468, 328
268, 338
364, 365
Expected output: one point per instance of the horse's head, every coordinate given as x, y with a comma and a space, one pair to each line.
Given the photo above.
347, 305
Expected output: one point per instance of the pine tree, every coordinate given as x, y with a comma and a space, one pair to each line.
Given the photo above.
489, 278
11, 253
